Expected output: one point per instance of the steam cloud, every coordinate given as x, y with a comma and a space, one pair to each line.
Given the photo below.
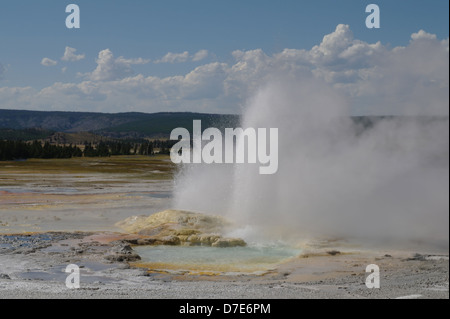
335, 177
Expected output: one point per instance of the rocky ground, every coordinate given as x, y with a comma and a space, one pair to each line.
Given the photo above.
33, 266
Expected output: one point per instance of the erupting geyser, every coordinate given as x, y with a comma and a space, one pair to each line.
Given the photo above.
336, 176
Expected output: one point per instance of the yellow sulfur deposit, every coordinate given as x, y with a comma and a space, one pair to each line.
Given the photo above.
175, 227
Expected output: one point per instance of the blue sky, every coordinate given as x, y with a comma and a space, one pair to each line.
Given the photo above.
148, 30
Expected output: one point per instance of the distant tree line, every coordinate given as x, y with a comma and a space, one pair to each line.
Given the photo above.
13, 150
103, 149
16, 150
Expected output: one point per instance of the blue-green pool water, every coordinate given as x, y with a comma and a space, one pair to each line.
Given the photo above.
200, 258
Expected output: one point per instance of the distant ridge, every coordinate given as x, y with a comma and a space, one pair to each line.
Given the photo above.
62, 121
62, 126
116, 125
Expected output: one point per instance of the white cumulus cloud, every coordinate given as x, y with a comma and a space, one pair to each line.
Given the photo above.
200, 55
69, 55
110, 68
375, 78
174, 57
48, 62
423, 35
171, 57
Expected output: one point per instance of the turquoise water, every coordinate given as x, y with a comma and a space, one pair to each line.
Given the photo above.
232, 259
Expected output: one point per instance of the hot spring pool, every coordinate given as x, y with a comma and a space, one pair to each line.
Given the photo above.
250, 259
